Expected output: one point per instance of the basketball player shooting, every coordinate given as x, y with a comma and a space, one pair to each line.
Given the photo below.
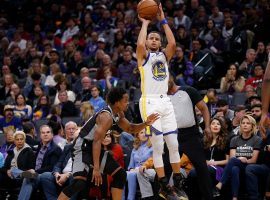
153, 66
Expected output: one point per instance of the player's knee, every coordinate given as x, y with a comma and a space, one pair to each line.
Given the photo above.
76, 186
119, 179
173, 146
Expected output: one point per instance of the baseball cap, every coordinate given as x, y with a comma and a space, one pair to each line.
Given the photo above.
8, 107
101, 40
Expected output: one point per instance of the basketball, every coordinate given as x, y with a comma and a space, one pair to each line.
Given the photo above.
147, 9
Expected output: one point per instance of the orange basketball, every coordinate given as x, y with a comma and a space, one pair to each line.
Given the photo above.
147, 9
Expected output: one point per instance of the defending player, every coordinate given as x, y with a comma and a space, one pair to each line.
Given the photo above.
87, 150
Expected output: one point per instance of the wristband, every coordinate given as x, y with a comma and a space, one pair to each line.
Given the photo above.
164, 21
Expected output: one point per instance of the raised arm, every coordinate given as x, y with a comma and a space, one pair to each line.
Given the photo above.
171, 46
141, 48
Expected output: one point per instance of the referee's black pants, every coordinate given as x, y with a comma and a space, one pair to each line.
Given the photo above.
190, 143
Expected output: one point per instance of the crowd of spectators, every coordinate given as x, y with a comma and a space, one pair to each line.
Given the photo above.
58, 60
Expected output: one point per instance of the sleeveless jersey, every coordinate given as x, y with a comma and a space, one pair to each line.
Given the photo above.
154, 74
88, 129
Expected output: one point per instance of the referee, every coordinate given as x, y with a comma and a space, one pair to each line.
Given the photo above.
184, 100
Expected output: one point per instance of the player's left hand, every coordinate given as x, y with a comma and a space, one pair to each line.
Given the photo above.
160, 15
151, 119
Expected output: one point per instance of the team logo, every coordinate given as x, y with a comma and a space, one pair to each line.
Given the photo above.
159, 71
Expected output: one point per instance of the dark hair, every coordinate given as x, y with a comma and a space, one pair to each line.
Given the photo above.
256, 106
63, 80
238, 72
20, 94
115, 95
56, 126
28, 127
221, 140
156, 33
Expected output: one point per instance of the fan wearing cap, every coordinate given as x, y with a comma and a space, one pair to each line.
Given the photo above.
54, 57
9, 120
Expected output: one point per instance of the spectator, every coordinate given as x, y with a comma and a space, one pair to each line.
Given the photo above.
181, 68
29, 130
38, 91
250, 91
240, 111
87, 111
18, 161
256, 111
50, 79
109, 81
17, 41
77, 86
247, 66
244, 150
206, 33
75, 67
91, 47
15, 90
35, 67
181, 19
58, 133
60, 176
261, 54
29, 90
126, 69
182, 37
6, 70
71, 131
46, 157
68, 56
21, 109
54, 57
256, 80
68, 108
61, 86
9, 142
9, 120
217, 16
253, 100
42, 109
211, 99
71, 30
233, 81
223, 110
85, 94
216, 152
141, 152
6, 89
96, 100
